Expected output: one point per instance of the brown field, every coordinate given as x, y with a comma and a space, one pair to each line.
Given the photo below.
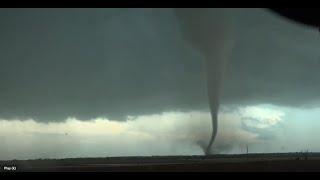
224, 163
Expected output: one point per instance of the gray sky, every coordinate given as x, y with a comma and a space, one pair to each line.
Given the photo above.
107, 64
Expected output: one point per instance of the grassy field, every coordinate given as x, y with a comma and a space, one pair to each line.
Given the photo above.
224, 163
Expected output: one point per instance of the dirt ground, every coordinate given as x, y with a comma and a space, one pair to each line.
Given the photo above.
223, 163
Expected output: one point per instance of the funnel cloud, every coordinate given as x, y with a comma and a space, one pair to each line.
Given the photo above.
208, 30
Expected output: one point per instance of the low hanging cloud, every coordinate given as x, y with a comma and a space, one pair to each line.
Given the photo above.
168, 133
257, 117
89, 63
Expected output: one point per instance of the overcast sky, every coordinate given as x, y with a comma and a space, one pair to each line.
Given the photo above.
116, 82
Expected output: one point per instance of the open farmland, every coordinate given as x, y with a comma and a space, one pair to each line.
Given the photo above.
243, 162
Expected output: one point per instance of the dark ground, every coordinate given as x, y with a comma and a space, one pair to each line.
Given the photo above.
225, 163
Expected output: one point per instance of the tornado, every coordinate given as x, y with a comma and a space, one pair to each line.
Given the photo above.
208, 30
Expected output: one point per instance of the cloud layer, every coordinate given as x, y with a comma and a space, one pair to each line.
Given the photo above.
90, 63
168, 133
274, 61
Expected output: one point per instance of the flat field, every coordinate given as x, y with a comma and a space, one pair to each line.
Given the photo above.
224, 163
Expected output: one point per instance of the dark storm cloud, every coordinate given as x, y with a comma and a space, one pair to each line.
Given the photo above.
88, 63
274, 61
56, 63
